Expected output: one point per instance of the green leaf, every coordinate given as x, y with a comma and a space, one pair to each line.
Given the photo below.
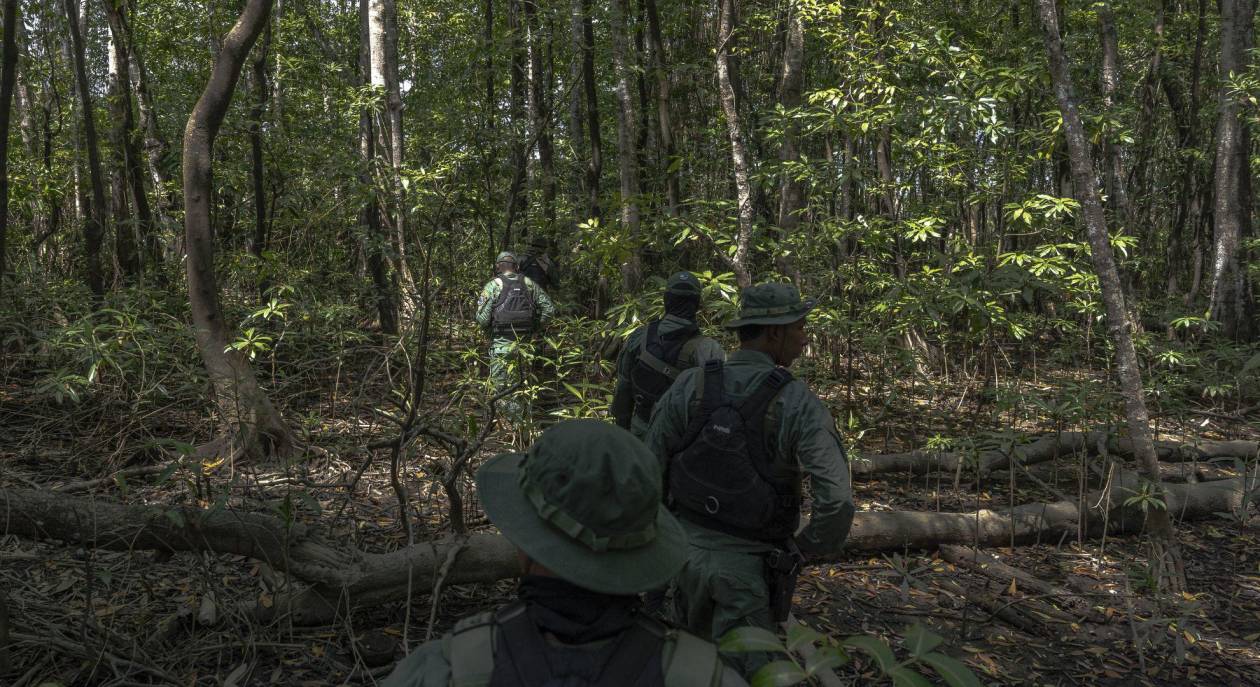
918, 640
953, 671
799, 635
778, 674
907, 677
826, 658
877, 648
744, 639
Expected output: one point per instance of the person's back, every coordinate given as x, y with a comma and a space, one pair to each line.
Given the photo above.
511, 308
656, 353
584, 508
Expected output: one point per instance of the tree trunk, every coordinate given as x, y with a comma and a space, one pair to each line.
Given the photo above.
587, 98
1166, 557
791, 190
383, 280
256, 168
516, 204
1113, 163
145, 229
94, 207
156, 147
663, 120
726, 73
343, 577
540, 117
8, 77
627, 139
1232, 303
126, 257
252, 424
383, 39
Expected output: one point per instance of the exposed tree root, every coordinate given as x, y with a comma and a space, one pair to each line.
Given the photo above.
342, 578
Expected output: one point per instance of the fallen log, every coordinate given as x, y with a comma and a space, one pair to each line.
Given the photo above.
993, 568
1044, 449
343, 578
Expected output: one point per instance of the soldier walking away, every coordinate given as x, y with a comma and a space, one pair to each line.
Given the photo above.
734, 440
584, 510
537, 265
656, 353
511, 309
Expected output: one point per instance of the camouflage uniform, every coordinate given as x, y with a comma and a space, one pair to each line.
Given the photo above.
694, 353
502, 346
585, 505
723, 584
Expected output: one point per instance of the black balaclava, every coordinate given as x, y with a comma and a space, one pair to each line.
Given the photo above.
682, 305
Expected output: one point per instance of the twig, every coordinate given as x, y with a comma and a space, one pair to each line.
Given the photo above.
451, 555
80, 650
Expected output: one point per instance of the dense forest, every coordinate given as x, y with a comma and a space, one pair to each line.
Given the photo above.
242, 392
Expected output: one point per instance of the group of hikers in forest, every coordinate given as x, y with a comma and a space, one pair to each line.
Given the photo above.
687, 508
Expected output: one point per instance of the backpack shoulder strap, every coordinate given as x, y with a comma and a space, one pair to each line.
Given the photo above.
712, 390
651, 360
690, 661
470, 651
523, 645
754, 407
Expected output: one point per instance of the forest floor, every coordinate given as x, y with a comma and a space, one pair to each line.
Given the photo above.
84, 617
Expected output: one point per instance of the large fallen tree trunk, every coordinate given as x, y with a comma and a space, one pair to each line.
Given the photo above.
342, 577
1044, 449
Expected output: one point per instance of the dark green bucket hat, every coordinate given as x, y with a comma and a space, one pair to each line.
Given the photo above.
506, 256
684, 284
585, 502
771, 304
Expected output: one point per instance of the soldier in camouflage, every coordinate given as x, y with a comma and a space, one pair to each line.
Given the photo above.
506, 337
726, 582
584, 509
656, 353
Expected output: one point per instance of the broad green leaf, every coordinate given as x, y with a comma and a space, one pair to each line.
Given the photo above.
799, 635
778, 674
876, 647
907, 677
826, 658
743, 639
951, 670
918, 640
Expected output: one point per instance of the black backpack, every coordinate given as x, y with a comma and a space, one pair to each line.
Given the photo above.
657, 365
723, 477
538, 268
513, 309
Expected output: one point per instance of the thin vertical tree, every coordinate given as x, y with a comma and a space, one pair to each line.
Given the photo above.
791, 90
540, 115
93, 206
257, 168
627, 142
665, 126
383, 38
252, 425
8, 78
1165, 552
586, 101
384, 282
727, 75
1231, 301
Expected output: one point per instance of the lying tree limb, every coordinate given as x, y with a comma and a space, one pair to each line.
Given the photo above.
1045, 449
342, 577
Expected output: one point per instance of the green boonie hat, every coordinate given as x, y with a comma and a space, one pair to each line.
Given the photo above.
771, 304
506, 256
585, 502
684, 284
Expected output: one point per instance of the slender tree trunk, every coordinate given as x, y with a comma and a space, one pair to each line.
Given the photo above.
1117, 196
94, 207
1166, 558
383, 36
383, 280
791, 190
663, 121
253, 424
8, 77
1232, 302
256, 168
145, 228
587, 98
540, 116
516, 205
126, 258
627, 138
726, 73
155, 145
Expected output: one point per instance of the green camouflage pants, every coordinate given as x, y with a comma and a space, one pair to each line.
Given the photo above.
718, 591
505, 370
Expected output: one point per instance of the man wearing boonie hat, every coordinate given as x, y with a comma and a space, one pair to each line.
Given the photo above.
656, 353
584, 509
510, 309
734, 441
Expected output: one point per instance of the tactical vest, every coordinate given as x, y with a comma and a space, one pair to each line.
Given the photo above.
725, 477
656, 368
512, 312
505, 649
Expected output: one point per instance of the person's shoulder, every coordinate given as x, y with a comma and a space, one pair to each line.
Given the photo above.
426, 666
689, 660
